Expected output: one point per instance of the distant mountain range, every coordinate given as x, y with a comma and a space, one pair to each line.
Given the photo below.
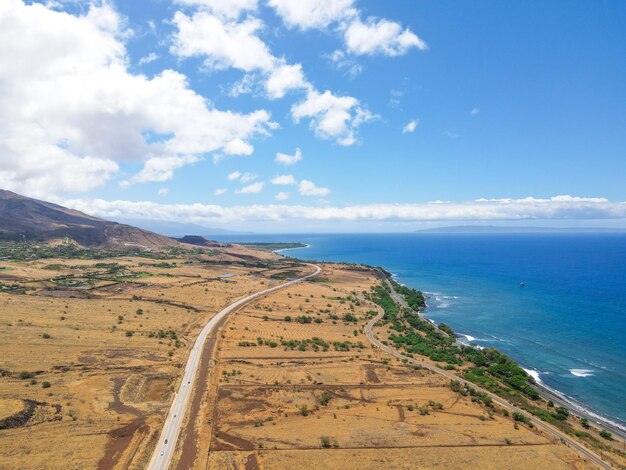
175, 229
498, 229
23, 218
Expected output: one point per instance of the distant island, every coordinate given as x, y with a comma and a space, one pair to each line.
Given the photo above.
526, 229
273, 246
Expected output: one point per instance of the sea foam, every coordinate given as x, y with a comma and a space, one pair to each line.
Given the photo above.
581, 372
534, 374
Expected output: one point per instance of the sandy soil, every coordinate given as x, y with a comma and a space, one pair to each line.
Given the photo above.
271, 405
89, 364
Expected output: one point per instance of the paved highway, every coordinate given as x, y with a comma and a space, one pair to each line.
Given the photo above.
164, 450
590, 456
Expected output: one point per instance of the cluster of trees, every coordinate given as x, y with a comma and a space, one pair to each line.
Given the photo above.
303, 319
413, 297
497, 372
314, 343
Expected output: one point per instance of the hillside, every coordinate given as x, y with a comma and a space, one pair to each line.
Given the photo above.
23, 218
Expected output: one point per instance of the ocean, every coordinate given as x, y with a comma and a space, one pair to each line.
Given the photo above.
566, 324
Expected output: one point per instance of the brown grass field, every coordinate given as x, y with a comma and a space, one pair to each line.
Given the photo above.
89, 365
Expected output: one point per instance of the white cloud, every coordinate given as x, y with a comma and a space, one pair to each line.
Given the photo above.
555, 208
380, 37
221, 43
219, 191
332, 117
451, 135
284, 78
163, 191
73, 110
253, 188
282, 196
284, 180
475, 111
238, 147
372, 36
247, 177
308, 188
309, 14
226, 43
223, 8
159, 169
285, 159
410, 127
148, 58
235, 175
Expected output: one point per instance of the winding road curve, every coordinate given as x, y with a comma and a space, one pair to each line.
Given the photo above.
164, 450
500, 401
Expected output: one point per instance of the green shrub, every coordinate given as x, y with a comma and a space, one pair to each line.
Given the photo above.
606, 435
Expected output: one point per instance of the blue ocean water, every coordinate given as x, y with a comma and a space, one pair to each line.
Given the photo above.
568, 322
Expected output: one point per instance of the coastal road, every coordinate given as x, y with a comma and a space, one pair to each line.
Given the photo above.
164, 450
500, 401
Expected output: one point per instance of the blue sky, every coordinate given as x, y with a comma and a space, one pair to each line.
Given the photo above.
406, 114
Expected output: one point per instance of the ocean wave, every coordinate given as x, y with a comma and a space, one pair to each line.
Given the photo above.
535, 374
469, 339
581, 372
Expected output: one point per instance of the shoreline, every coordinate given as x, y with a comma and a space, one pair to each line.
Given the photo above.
577, 409
280, 250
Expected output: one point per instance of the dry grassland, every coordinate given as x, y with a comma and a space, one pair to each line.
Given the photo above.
292, 395
89, 365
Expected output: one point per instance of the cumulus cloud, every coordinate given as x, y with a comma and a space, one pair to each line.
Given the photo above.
235, 175
219, 191
559, 207
163, 191
253, 188
72, 111
380, 37
410, 127
313, 14
284, 180
225, 42
232, 43
332, 117
284, 78
362, 37
286, 159
159, 169
308, 188
282, 196
221, 43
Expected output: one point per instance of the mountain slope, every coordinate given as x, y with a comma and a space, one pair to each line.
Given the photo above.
23, 218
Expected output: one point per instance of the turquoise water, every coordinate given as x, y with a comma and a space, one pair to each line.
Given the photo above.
567, 324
